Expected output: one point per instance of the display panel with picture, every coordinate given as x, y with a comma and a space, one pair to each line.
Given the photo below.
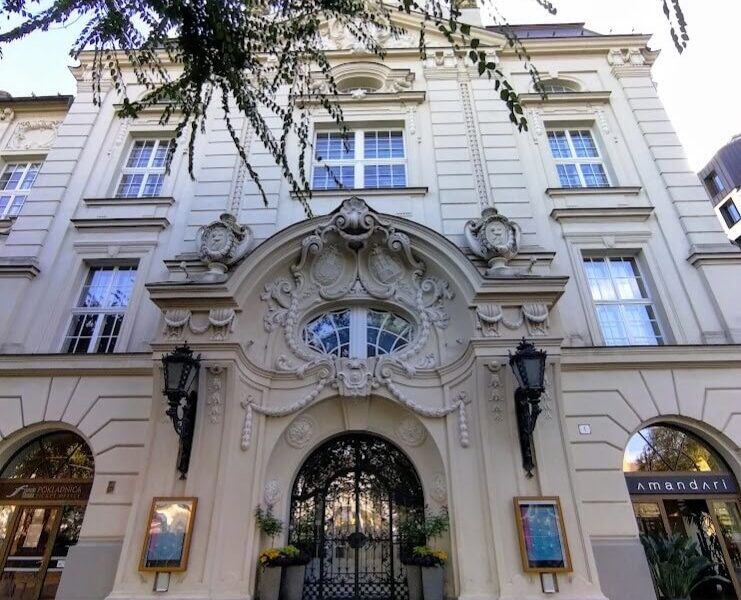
543, 543
169, 530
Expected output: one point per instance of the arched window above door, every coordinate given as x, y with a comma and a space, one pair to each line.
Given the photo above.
668, 448
57, 455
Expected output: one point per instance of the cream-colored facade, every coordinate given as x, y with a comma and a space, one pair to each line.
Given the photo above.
266, 400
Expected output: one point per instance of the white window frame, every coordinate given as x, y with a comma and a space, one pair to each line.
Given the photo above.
358, 329
359, 161
100, 312
146, 171
648, 300
577, 160
16, 192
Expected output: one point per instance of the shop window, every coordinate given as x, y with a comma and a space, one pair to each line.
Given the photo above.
100, 310
143, 174
624, 308
577, 159
360, 159
48, 482
16, 180
679, 484
358, 333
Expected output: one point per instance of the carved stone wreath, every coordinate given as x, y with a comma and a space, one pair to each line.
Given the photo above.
355, 254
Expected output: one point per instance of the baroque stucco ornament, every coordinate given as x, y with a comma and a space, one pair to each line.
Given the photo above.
356, 255
496, 239
221, 244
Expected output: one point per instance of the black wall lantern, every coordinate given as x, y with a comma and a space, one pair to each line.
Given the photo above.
528, 365
181, 388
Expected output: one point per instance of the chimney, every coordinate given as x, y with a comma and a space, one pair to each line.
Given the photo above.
470, 12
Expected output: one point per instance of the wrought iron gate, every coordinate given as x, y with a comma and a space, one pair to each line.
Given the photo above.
348, 509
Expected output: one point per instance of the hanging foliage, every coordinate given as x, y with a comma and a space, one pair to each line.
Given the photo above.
256, 59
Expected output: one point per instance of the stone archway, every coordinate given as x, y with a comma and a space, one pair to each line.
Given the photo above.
349, 504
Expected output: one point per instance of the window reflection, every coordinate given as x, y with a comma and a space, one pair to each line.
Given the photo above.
662, 448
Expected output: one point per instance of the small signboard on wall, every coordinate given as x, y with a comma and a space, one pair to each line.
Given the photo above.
169, 529
543, 543
682, 483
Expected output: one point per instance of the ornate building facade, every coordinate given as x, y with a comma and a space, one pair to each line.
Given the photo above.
354, 367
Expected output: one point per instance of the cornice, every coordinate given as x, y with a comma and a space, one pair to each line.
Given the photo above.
603, 213
115, 201
701, 255
19, 266
371, 192
566, 98
627, 190
368, 98
584, 45
25, 365
108, 224
651, 357
513, 291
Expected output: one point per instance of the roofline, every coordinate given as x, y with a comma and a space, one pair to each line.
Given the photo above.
57, 101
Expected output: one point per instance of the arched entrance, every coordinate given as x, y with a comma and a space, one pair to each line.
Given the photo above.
349, 504
679, 484
44, 489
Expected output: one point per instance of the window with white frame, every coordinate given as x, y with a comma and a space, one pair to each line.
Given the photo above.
143, 173
358, 332
625, 312
15, 181
100, 309
554, 86
577, 158
361, 159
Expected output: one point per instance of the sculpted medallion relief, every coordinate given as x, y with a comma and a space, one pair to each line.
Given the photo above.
411, 432
300, 431
496, 239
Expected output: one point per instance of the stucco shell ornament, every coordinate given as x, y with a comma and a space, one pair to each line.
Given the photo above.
496, 239
221, 244
357, 255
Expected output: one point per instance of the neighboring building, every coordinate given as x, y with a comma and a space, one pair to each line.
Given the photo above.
722, 179
354, 367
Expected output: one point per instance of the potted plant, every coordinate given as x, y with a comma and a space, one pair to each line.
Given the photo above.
676, 565
269, 577
425, 572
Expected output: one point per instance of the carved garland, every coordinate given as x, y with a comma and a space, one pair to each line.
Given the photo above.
534, 315
220, 321
357, 255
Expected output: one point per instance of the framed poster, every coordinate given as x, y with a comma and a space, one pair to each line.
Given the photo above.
167, 539
543, 544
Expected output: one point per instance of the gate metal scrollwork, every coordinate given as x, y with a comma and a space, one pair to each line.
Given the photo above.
348, 509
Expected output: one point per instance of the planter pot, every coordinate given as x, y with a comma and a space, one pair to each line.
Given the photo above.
414, 581
432, 583
268, 587
292, 585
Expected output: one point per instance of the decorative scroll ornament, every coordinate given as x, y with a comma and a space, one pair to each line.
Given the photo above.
220, 321
272, 493
438, 489
300, 431
496, 239
214, 389
31, 135
411, 432
534, 315
221, 244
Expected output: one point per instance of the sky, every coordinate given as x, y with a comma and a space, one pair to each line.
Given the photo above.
699, 88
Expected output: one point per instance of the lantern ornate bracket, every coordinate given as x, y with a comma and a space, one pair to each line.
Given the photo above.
181, 375
528, 365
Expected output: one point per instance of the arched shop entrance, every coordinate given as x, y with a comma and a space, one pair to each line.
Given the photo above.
679, 484
348, 506
44, 490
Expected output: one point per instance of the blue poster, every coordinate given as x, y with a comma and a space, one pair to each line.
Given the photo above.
542, 531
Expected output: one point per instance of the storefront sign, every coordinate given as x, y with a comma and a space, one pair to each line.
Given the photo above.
691, 484
24, 489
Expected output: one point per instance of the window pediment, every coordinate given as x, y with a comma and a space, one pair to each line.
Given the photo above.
365, 77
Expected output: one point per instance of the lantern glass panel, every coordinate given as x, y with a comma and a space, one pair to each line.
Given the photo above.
173, 372
534, 367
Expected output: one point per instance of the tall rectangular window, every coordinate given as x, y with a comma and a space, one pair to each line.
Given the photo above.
144, 172
99, 312
15, 181
577, 158
363, 159
625, 311
713, 183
